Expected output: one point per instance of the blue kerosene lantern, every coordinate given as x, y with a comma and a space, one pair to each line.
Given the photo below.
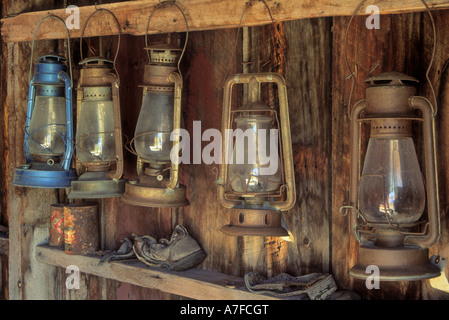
48, 139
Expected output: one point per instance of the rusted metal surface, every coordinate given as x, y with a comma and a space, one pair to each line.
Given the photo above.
161, 76
395, 264
398, 251
81, 228
100, 177
255, 222
145, 194
56, 225
97, 75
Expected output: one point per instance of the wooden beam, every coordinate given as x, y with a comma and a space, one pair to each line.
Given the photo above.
200, 14
193, 283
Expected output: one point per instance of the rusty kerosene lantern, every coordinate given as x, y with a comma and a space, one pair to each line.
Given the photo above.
255, 192
158, 177
99, 147
389, 196
48, 142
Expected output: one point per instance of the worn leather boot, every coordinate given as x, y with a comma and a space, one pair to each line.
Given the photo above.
182, 252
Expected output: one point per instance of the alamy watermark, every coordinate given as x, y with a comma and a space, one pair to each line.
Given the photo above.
373, 20
73, 20
73, 280
248, 146
373, 280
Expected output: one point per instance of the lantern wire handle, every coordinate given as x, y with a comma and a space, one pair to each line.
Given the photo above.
239, 27
352, 73
97, 10
68, 41
161, 5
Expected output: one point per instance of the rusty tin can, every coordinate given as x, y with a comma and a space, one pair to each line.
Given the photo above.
56, 225
81, 228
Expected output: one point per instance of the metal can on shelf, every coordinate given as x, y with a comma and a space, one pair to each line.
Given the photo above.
56, 225
81, 228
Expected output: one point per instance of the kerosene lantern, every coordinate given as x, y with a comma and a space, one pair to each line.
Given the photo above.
261, 185
389, 196
98, 140
48, 139
158, 177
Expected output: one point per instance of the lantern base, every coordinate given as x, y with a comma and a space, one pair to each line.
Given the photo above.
41, 175
255, 222
96, 185
145, 196
395, 264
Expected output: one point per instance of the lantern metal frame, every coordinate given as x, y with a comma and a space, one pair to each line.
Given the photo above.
245, 217
96, 178
407, 256
36, 174
154, 189
400, 251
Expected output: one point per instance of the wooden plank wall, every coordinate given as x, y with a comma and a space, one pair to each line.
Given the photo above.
210, 57
309, 54
26, 208
3, 172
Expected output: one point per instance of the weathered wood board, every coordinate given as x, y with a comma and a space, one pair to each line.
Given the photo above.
202, 284
202, 15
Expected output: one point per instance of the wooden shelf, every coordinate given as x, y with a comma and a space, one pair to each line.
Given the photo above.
200, 14
194, 283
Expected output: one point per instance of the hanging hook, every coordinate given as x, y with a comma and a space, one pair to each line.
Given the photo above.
247, 5
352, 73
97, 10
161, 5
68, 44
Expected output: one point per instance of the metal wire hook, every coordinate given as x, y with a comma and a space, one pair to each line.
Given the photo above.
247, 5
352, 73
68, 45
97, 10
161, 5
